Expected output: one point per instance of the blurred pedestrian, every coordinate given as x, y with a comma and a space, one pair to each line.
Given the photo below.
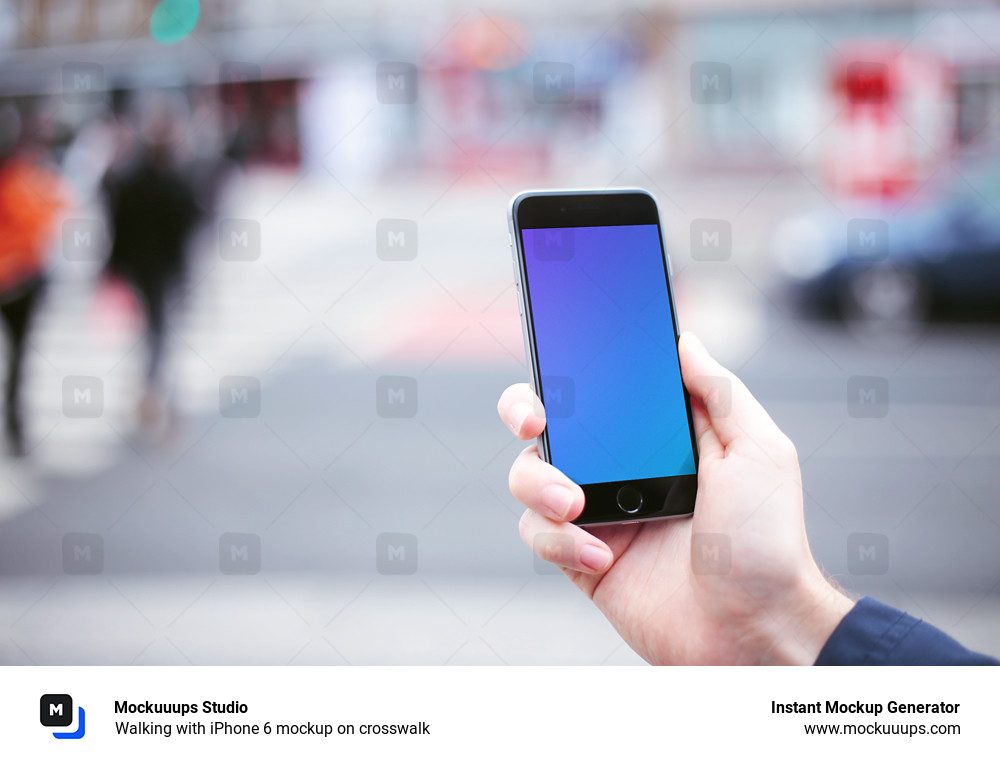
152, 214
31, 199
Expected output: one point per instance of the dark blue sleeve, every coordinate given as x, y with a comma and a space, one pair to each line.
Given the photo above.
875, 634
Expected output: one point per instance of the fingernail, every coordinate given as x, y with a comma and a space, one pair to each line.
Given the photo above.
595, 558
518, 413
558, 499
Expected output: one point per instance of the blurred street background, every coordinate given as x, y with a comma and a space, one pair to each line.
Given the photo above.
256, 280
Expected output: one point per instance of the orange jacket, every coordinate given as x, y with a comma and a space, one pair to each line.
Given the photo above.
31, 200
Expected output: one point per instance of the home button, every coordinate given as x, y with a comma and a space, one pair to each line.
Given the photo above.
629, 499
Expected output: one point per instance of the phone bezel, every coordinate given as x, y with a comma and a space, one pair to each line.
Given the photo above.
670, 496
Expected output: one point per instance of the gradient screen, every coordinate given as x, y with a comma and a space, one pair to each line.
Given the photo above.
607, 353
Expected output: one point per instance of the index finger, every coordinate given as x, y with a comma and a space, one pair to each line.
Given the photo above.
522, 411
731, 408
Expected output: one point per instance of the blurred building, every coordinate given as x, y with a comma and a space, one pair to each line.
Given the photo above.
282, 65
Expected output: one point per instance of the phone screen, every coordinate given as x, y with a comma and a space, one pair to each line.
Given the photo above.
607, 353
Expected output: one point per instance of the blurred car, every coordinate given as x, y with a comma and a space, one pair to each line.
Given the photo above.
940, 257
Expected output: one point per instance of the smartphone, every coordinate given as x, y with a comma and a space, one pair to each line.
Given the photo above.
600, 328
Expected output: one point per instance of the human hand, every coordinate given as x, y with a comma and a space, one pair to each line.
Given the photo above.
772, 605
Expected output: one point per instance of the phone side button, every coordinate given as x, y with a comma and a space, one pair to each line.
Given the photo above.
520, 305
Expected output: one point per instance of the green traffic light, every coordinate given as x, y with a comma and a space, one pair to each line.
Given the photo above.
173, 20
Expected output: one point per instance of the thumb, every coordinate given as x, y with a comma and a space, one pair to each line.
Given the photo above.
731, 407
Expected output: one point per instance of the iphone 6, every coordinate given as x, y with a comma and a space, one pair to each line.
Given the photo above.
593, 279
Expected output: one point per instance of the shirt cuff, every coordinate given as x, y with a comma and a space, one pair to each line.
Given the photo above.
873, 633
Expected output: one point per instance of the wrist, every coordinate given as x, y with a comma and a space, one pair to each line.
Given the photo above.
794, 632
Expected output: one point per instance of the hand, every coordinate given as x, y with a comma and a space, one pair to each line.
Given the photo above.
772, 606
